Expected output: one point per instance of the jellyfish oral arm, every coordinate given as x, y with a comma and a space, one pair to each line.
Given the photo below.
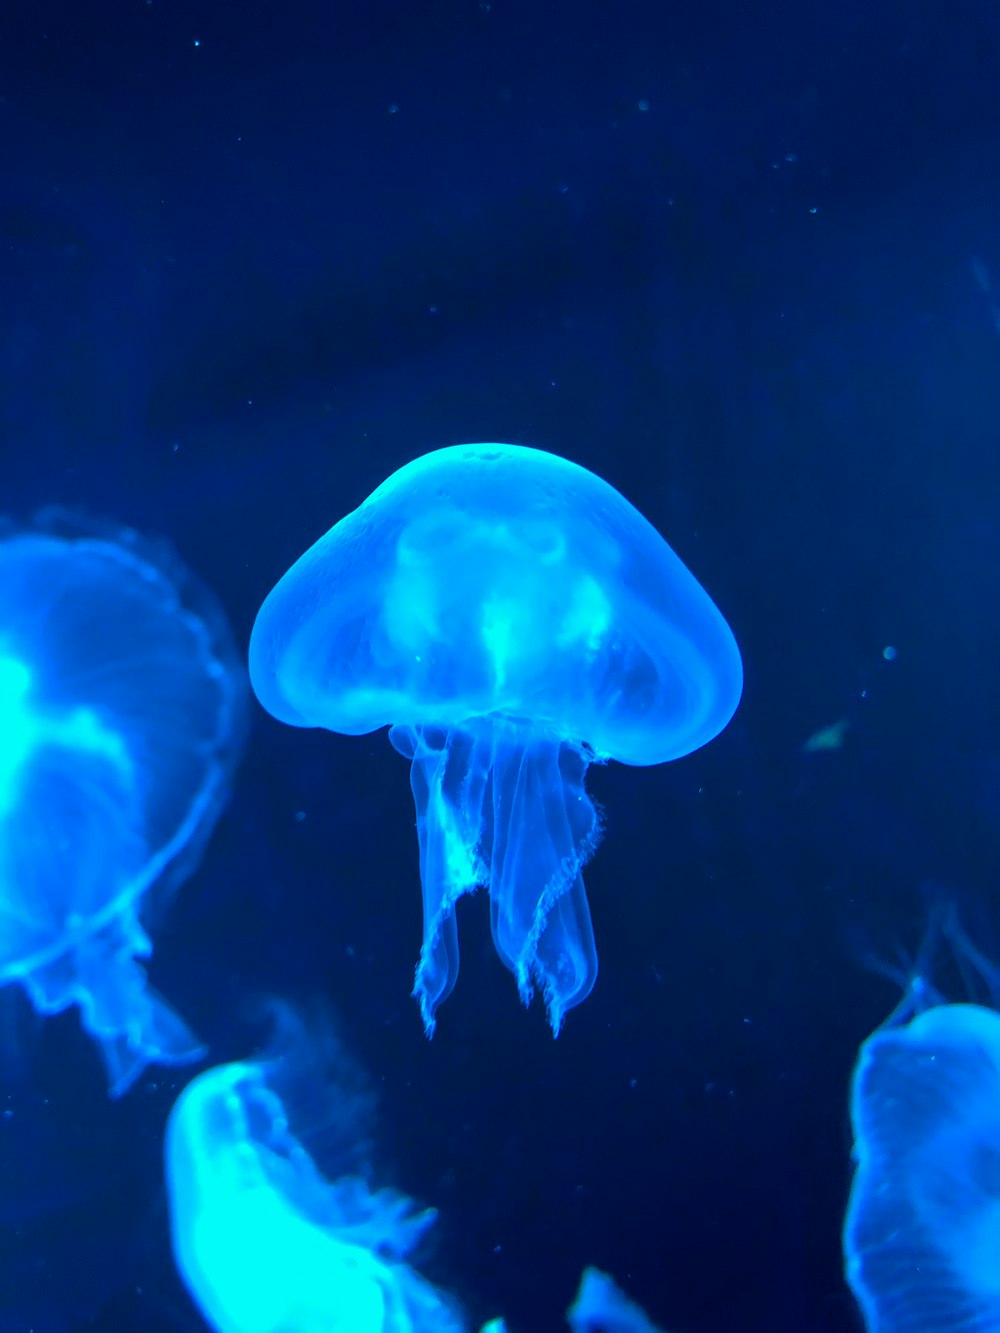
502, 805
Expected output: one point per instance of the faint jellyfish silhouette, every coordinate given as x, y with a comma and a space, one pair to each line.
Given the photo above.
601, 1307
514, 619
264, 1241
922, 1230
122, 705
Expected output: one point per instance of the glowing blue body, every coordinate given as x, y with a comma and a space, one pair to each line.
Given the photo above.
513, 618
265, 1243
601, 1307
120, 707
922, 1231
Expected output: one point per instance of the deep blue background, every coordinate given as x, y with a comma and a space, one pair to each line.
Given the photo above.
736, 258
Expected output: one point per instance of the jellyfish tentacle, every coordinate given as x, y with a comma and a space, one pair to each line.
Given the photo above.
545, 829
447, 792
134, 1026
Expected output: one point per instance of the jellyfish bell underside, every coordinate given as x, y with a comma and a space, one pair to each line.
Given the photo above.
513, 619
120, 708
265, 1243
922, 1228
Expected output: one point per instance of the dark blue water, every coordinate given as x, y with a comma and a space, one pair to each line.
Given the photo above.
741, 262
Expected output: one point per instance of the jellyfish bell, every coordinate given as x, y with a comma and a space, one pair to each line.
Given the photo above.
513, 619
922, 1226
122, 702
264, 1237
239, 1189
484, 579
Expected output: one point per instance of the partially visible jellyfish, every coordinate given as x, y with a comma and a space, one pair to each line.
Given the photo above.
922, 1230
602, 1307
513, 619
264, 1242
121, 709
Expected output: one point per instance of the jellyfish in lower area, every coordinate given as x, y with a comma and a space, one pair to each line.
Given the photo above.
922, 1230
601, 1307
265, 1241
121, 710
513, 619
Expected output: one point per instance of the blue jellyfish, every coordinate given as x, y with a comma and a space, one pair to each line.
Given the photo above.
922, 1229
513, 619
264, 1242
601, 1307
121, 703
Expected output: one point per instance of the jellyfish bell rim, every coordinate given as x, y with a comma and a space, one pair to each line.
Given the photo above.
296, 619
961, 1021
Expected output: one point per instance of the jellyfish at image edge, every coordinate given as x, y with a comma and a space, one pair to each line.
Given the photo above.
513, 619
121, 710
265, 1242
600, 1306
922, 1230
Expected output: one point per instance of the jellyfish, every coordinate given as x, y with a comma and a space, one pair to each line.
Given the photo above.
922, 1229
121, 708
264, 1241
513, 619
601, 1307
